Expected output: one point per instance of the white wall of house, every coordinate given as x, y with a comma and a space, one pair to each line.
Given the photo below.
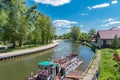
109, 42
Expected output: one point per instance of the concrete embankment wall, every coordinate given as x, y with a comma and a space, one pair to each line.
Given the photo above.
92, 72
9, 55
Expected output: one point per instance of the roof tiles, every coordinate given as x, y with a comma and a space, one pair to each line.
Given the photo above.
109, 34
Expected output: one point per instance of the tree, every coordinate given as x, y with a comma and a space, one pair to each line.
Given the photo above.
75, 32
41, 27
50, 30
3, 18
84, 37
92, 32
65, 36
19, 24
116, 42
15, 23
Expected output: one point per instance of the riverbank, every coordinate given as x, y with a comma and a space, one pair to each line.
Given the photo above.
87, 44
109, 67
8, 55
93, 69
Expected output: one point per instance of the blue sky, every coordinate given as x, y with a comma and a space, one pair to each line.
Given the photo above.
87, 14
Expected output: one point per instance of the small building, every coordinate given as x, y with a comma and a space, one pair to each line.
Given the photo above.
104, 38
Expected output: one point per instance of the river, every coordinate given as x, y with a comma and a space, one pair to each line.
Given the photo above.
19, 68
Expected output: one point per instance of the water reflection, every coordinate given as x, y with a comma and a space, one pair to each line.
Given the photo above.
75, 47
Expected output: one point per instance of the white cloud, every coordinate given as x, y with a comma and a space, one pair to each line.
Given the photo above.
64, 23
84, 14
99, 6
63, 26
114, 22
104, 25
108, 20
114, 2
111, 23
60, 31
118, 26
53, 2
81, 26
89, 8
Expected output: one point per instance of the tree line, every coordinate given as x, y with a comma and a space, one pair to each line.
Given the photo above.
19, 24
76, 35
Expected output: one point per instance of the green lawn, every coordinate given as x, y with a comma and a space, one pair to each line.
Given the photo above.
108, 66
26, 46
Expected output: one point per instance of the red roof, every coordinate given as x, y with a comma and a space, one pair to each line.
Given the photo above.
114, 28
109, 34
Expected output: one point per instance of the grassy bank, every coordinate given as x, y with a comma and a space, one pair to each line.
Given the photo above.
26, 46
108, 66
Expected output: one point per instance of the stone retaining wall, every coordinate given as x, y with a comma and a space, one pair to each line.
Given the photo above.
93, 72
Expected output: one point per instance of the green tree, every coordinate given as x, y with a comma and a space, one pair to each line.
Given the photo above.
35, 28
14, 21
84, 37
46, 29
19, 24
50, 30
3, 18
66, 36
41, 27
116, 42
75, 32
92, 32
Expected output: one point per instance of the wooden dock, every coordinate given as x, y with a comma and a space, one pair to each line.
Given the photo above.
74, 75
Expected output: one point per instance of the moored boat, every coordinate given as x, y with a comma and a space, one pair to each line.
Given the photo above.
56, 69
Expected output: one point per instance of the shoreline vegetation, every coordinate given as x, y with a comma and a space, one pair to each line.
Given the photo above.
93, 47
109, 68
27, 51
24, 47
77, 36
5, 49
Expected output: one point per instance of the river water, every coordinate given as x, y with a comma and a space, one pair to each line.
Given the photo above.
19, 68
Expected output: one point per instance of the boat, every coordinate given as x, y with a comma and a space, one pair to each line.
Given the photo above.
56, 69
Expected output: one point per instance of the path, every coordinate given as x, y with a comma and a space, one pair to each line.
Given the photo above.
92, 73
27, 51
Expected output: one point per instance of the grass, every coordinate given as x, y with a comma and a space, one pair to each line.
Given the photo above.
26, 46
108, 66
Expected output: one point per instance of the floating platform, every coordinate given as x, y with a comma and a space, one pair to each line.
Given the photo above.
74, 75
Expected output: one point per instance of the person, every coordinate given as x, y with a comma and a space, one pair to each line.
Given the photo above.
31, 76
97, 74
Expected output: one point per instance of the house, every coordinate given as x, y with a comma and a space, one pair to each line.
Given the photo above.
104, 38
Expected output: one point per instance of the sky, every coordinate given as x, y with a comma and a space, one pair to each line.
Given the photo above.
87, 14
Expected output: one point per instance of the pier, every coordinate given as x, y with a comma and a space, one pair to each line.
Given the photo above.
75, 75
